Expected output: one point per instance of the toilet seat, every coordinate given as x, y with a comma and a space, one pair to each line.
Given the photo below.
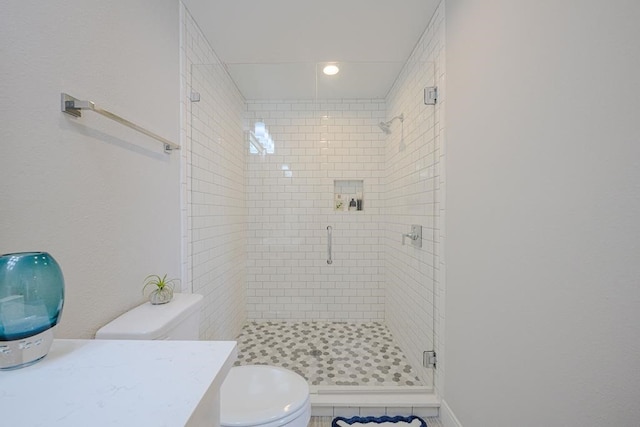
264, 396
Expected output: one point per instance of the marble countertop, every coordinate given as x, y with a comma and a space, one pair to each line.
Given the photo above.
116, 383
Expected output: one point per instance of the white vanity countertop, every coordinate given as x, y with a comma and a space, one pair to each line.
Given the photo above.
115, 383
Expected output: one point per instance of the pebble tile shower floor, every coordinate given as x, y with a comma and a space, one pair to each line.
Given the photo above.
328, 353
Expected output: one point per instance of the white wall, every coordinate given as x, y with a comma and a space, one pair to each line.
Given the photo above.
101, 198
214, 158
290, 196
543, 201
413, 183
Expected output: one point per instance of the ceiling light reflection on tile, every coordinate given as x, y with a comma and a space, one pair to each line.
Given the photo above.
331, 70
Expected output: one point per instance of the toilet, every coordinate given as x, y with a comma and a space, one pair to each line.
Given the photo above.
251, 395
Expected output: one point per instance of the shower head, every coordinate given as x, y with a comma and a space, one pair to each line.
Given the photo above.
386, 126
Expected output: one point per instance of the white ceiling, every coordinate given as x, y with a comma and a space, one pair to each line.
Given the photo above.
275, 49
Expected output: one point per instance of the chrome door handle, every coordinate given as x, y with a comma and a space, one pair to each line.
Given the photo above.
329, 230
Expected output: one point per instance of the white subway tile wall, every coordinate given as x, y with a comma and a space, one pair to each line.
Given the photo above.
213, 186
413, 186
290, 201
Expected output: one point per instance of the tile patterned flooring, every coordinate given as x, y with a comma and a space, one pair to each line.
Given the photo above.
328, 353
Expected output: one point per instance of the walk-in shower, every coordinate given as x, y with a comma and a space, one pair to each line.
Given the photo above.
260, 220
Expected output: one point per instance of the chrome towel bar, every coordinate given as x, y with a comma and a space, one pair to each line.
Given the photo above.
74, 107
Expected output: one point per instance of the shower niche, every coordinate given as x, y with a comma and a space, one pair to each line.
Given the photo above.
348, 195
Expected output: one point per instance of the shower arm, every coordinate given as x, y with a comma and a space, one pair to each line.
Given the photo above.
386, 126
400, 117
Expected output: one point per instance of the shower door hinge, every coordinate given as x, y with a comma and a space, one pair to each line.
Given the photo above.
429, 359
194, 96
430, 95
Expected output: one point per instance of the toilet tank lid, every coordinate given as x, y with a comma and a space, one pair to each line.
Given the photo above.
148, 322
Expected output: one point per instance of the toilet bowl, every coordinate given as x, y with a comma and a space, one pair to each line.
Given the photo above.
251, 396
264, 396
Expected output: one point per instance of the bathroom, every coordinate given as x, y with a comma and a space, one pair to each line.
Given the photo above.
538, 209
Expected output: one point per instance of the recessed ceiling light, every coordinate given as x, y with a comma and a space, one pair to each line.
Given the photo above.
331, 69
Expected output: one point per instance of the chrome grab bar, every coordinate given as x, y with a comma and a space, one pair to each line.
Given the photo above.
329, 230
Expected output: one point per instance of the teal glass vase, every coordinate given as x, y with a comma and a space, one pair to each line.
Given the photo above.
31, 301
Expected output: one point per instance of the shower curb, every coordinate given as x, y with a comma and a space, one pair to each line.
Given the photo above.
368, 401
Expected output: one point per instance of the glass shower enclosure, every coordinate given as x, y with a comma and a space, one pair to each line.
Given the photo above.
271, 180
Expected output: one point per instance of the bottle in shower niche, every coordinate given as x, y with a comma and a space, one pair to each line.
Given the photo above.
359, 201
352, 204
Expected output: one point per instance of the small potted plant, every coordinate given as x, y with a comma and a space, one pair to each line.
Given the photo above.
162, 291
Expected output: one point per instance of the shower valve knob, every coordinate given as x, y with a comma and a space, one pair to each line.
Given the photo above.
411, 236
415, 236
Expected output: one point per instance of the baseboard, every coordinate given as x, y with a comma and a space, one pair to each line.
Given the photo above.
447, 416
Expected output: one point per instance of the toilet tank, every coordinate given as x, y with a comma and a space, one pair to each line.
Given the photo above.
175, 320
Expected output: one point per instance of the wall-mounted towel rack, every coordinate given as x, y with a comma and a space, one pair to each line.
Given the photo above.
74, 107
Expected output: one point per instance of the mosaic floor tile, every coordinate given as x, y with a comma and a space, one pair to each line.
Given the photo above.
328, 353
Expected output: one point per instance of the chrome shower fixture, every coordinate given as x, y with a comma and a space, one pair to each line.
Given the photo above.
386, 126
